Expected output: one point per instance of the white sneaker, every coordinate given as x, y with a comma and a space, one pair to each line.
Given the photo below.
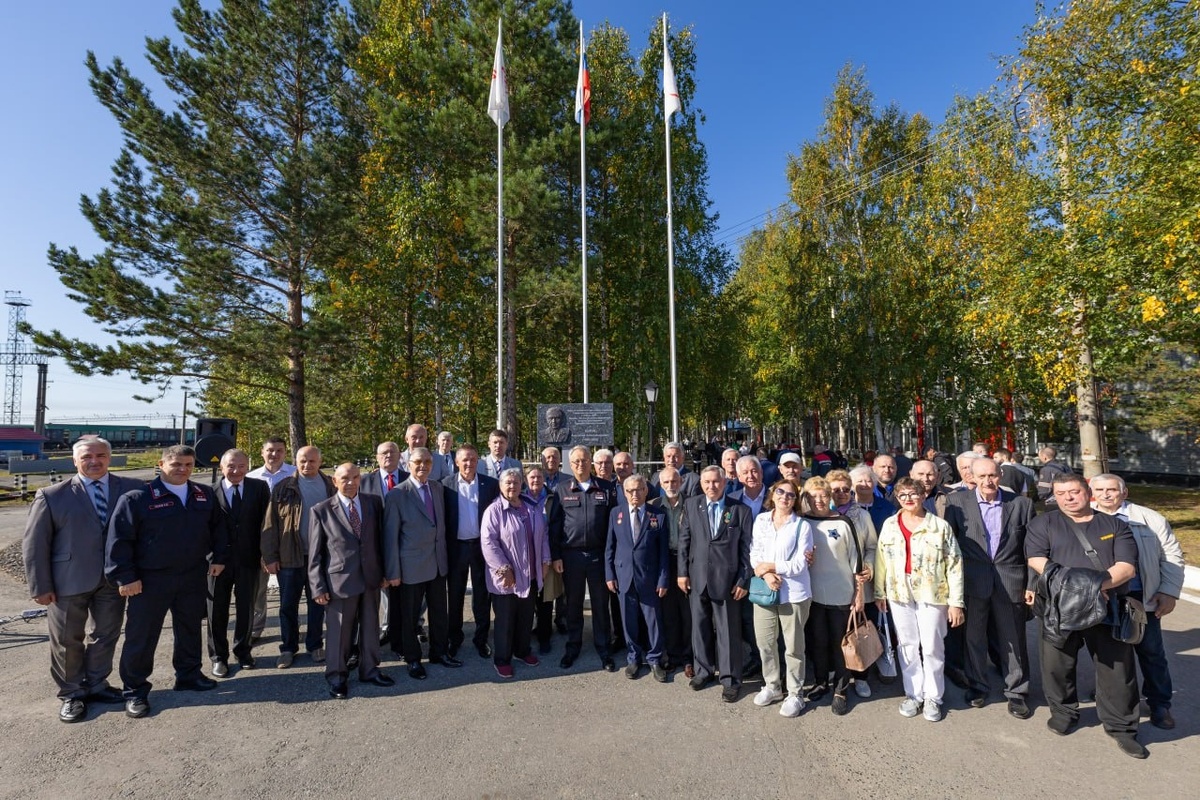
792, 706
910, 707
862, 688
767, 695
933, 711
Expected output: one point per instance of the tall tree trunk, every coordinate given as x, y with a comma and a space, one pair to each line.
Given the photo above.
297, 432
1091, 451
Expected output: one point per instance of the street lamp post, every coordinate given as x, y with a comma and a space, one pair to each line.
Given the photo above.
651, 389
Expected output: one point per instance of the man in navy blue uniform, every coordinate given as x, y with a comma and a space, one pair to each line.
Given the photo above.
158, 554
635, 569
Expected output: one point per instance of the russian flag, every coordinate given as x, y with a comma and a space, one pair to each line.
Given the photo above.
583, 87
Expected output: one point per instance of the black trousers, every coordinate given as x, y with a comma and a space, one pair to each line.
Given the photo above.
184, 593
584, 569
543, 626
241, 581
998, 624
1116, 678
677, 618
823, 638
717, 637
433, 594
514, 620
466, 558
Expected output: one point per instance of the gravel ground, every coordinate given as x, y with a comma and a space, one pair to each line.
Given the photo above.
550, 733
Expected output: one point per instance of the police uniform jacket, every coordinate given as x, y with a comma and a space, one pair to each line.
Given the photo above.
152, 531
579, 520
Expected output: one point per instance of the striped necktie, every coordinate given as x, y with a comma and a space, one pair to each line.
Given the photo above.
100, 502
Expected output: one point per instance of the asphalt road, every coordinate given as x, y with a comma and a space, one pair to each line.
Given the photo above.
553, 733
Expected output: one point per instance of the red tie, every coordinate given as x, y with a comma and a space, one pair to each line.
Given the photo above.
391, 481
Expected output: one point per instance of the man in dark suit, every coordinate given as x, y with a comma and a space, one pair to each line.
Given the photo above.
345, 572
677, 610
468, 494
990, 527
63, 550
243, 504
635, 569
714, 569
673, 457
416, 564
388, 476
157, 553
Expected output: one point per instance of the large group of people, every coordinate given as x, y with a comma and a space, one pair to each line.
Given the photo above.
955, 562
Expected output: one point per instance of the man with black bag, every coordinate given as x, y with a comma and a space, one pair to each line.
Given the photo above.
1075, 537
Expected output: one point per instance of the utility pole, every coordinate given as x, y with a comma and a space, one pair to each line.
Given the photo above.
183, 419
15, 355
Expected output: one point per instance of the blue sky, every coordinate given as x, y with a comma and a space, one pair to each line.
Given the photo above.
764, 70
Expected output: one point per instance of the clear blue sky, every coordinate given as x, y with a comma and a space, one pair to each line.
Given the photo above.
764, 70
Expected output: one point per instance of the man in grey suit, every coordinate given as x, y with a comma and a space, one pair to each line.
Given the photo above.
417, 436
497, 459
714, 569
63, 549
345, 572
990, 527
415, 561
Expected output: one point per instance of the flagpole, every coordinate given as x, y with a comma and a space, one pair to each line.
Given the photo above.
671, 272
500, 247
583, 223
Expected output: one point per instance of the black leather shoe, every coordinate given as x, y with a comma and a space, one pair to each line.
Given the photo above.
73, 710
379, 679
351, 661
484, 650
1161, 718
106, 695
697, 683
729, 694
247, 663
201, 684
976, 699
417, 670
632, 670
339, 691
567, 660
659, 672
608, 664
137, 707
446, 661
1061, 725
1130, 746
1019, 709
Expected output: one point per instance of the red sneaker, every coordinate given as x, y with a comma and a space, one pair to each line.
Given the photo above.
530, 660
504, 670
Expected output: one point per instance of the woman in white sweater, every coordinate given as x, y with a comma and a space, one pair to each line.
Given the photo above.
780, 543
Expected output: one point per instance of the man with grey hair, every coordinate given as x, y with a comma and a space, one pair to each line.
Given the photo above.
63, 550
729, 459
636, 571
602, 462
243, 503
677, 610
1158, 584
673, 457
416, 435
962, 462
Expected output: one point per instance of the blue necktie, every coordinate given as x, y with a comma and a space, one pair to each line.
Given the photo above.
100, 502
714, 516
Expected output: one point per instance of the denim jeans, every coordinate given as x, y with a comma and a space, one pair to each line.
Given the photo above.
1152, 658
293, 581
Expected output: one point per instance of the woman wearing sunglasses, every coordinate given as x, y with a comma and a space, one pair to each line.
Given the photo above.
780, 543
918, 569
840, 566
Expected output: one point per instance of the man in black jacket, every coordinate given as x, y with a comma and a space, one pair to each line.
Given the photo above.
1055, 537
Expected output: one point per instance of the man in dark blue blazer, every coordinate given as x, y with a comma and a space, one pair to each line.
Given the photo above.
635, 568
468, 494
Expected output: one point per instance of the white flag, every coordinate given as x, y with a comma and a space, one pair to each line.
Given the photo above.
671, 102
498, 96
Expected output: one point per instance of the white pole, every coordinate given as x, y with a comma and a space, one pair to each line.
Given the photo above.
671, 272
499, 276
583, 226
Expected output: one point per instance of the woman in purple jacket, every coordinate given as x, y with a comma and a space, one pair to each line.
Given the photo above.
516, 548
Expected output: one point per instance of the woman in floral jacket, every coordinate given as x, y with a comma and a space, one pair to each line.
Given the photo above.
918, 569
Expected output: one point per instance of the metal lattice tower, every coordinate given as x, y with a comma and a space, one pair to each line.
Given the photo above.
15, 357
